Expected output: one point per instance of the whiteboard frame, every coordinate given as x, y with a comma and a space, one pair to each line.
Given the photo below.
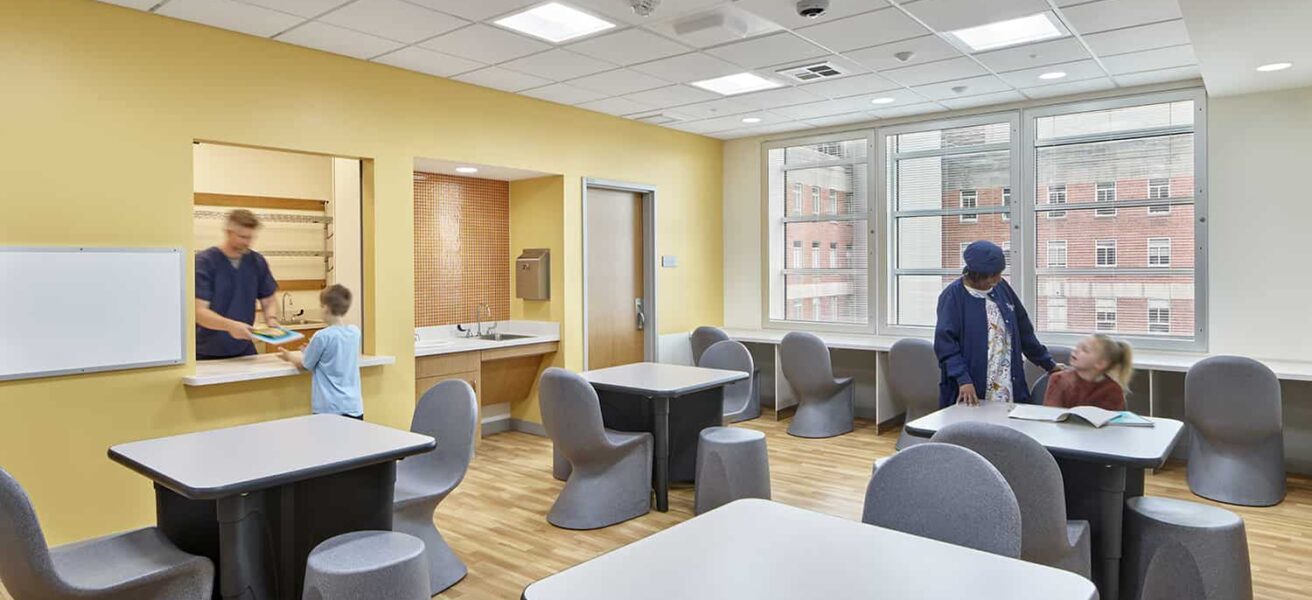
182, 302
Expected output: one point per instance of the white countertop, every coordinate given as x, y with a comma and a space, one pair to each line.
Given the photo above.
259, 366
446, 340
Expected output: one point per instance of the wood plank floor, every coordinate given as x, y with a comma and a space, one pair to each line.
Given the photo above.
496, 519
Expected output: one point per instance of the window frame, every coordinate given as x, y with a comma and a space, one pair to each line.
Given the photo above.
974, 203
1098, 189
1098, 312
1065, 199
1065, 312
1159, 265
1159, 321
1065, 254
1098, 247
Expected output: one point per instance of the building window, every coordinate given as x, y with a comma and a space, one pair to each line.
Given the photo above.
1056, 314
1159, 252
1105, 314
1006, 253
833, 202
1006, 203
1159, 316
1159, 189
1106, 252
969, 199
1056, 254
1106, 192
797, 199
797, 253
833, 254
1057, 195
815, 200
815, 254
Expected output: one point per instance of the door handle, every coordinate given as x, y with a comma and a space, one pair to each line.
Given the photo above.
641, 316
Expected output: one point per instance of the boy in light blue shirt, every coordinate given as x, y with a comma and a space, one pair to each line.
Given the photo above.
333, 359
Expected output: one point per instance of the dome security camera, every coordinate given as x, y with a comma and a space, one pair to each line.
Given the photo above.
812, 8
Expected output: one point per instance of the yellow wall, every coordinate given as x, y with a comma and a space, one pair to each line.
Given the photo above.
537, 220
98, 114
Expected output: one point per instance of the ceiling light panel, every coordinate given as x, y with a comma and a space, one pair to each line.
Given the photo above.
1012, 32
738, 83
555, 22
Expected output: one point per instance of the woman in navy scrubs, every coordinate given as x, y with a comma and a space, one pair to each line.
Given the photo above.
982, 332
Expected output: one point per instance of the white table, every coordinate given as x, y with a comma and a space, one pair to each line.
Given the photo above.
1109, 461
732, 553
257, 498
627, 389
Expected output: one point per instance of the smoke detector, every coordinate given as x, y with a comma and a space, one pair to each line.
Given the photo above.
814, 72
644, 8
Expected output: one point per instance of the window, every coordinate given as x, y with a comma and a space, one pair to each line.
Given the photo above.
797, 199
1056, 315
1105, 314
1159, 252
1006, 252
969, 199
1006, 203
1159, 189
1056, 254
1106, 192
796, 281
1057, 195
1106, 252
1159, 316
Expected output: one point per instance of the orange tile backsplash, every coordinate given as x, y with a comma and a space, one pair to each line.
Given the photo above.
462, 248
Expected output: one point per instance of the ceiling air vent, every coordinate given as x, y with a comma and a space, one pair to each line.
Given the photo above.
813, 72
656, 119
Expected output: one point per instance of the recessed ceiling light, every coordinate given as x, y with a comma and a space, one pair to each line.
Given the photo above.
554, 22
883, 100
1011, 32
1053, 75
737, 84
466, 170
1274, 67
751, 119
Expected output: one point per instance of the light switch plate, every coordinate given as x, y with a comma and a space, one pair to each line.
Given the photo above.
669, 261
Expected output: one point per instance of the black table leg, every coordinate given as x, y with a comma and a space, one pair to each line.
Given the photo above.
661, 433
1096, 493
1111, 489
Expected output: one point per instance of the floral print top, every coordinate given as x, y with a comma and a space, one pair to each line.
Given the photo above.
998, 386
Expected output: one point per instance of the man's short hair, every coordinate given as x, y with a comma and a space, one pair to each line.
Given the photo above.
243, 218
336, 298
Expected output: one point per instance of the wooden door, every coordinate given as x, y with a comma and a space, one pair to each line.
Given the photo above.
615, 278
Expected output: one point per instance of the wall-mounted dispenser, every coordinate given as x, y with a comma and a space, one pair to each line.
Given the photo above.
533, 274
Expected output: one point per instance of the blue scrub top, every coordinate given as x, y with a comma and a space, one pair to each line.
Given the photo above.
231, 293
961, 341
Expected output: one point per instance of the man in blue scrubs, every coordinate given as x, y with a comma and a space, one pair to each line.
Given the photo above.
230, 278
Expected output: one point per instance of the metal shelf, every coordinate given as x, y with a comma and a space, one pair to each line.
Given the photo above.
268, 217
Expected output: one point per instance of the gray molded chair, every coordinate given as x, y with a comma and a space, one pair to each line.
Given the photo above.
1039, 389
610, 471
1214, 544
1047, 538
732, 356
702, 339
447, 412
365, 565
913, 375
732, 464
824, 404
1172, 574
134, 565
1237, 446
1061, 354
947, 493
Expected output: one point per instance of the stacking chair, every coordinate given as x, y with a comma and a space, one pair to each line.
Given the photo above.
135, 565
913, 378
1039, 389
824, 404
702, 339
1061, 354
732, 356
447, 412
610, 471
1185, 547
1237, 446
367, 565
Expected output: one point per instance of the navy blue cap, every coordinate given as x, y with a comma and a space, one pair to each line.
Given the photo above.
985, 257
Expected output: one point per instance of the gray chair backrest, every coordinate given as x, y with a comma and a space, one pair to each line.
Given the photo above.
1061, 354
571, 414
1034, 478
702, 339
913, 376
947, 493
447, 412
804, 359
25, 566
1039, 389
731, 356
1232, 398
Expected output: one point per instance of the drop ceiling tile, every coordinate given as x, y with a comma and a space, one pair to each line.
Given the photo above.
415, 58
985, 84
784, 12
338, 40
861, 31
688, 67
948, 15
1034, 55
629, 47
672, 95
1115, 14
1075, 71
702, 127
982, 100
895, 111
943, 70
502, 79
485, 44
137, 4
303, 8
926, 48
1073, 87
900, 96
620, 11
234, 16
619, 82
392, 19
558, 65
836, 120
1150, 60
850, 86
755, 131
616, 106
734, 122
715, 108
774, 49
1161, 76
784, 96
825, 108
1135, 39
1071, 2
563, 93
475, 11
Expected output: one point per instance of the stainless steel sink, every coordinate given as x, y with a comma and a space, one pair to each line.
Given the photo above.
300, 322
501, 337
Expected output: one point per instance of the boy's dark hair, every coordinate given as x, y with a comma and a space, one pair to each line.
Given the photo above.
336, 298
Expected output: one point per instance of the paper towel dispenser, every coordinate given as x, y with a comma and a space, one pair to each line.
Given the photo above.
533, 274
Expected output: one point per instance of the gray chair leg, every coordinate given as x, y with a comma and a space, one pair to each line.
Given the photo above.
444, 568
825, 417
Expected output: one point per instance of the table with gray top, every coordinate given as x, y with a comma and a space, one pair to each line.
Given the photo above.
1100, 467
733, 553
672, 402
257, 498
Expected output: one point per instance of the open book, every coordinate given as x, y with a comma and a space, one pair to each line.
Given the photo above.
275, 335
1097, 417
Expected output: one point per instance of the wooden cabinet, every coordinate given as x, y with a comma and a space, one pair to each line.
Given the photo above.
510, 372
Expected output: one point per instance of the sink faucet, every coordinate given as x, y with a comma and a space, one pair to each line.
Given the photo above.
282, 310
478, 317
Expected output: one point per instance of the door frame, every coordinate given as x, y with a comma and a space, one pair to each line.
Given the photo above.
650, 337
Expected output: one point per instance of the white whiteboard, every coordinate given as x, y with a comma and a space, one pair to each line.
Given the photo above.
76, 310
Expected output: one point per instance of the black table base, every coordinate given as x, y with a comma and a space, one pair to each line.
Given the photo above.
1096, 493
259, 541
675, 423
